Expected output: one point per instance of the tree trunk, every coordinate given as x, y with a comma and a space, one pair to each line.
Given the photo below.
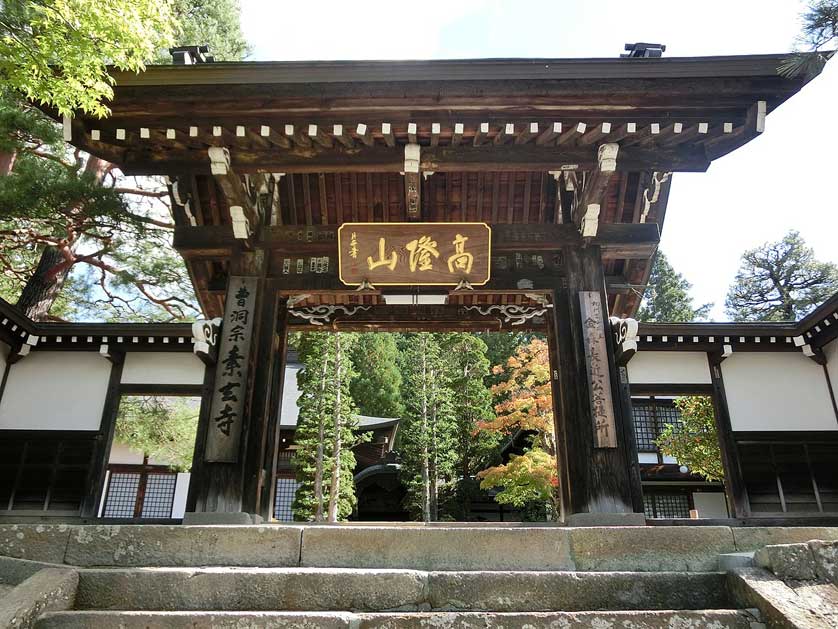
43, 287
433, 466
7, 162
426, 485
334, 488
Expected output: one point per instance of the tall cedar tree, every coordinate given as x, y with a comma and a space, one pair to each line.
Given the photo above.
667, 297
525, 403
780, 281
376, 387
326, 429
428, 428
67, 213
468, 365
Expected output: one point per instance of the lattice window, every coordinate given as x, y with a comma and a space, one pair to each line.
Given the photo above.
666, 506
285, 490
159, 496
651, 416
122, 495
140, 494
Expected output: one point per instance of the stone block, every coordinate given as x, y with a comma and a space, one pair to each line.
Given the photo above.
825, 555
606, 519
717, 619
201, 518
37, 542
193, 619
787, 561
47, 590
751, 538
569, 591
152, 545
432, 548
651, 548
729, 561
15, 571
251, 589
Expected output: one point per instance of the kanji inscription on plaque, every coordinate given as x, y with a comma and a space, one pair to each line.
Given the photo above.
225, 425
597, 369
393, 254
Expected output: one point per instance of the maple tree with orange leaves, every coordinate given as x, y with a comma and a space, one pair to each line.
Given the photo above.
525, 403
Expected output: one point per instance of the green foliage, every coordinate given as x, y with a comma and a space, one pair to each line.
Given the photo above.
56, 52
780, 281
376, 388
162, 428
500, 346
820, 29
527, 478
428, 428
667, 297
212, 22
327, 419
694, 442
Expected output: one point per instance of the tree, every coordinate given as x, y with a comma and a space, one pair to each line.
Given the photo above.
464, 356
694, 442
162, 428
667, 297
376, 387
215, 23
427, 428
74, 224
820, 30
56, 52
780, 281
326, 429
500, 346
525, 403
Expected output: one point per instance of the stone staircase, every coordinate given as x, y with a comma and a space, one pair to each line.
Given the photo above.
268, 576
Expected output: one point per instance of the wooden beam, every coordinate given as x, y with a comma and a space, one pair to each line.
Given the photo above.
364, 133
343, 138
572, 134
511, 158
480, 134
595, 134
549, 134
527, 133
733, 139
616, 240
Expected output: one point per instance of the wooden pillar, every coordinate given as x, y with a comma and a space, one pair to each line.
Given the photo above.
597, 455
262, 417
735, 492
104, 440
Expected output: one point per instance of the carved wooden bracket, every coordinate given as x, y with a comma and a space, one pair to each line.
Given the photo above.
625, 339
205, 336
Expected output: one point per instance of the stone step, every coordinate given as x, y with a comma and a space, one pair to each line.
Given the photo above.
644, 619
371, 590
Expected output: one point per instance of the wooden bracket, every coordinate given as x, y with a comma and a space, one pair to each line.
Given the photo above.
625, 339
412, 182
815, 353
244, 213
205, 336
586, 211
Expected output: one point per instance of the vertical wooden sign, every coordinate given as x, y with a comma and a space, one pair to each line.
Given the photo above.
596, 362
225, 426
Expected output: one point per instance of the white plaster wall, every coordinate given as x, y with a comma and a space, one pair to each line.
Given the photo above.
181, 490
162, 368
55, 391
777, 391
710, 504
669, 368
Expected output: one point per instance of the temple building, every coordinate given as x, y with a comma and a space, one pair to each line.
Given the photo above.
481, 195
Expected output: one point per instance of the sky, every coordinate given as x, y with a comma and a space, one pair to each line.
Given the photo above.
785, 179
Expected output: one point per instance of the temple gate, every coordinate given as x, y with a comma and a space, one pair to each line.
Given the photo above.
444, 195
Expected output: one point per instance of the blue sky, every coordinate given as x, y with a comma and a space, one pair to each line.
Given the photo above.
785, 179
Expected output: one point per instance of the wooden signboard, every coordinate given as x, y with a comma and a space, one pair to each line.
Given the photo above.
225, 426
418, 254
599, 378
